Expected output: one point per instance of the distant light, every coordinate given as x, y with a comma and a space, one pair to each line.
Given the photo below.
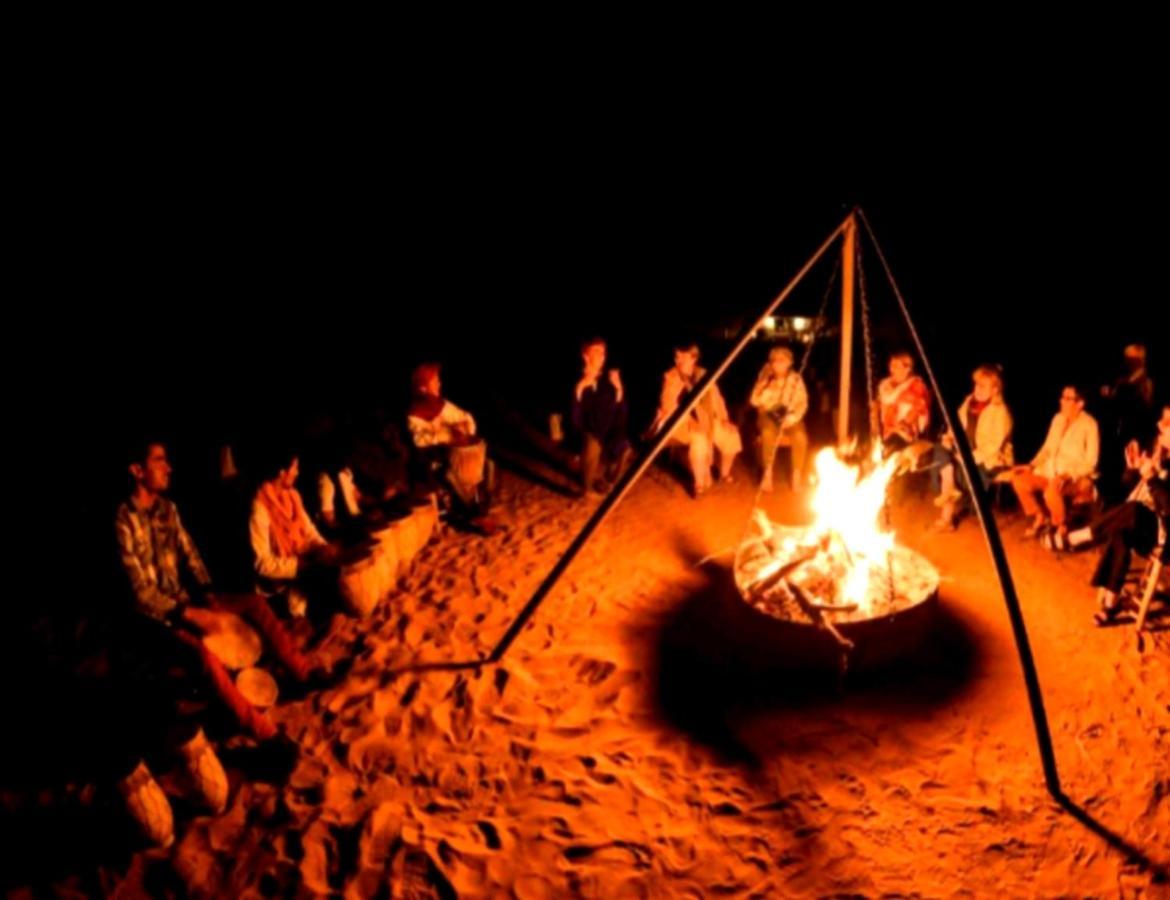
800, 323
769, 323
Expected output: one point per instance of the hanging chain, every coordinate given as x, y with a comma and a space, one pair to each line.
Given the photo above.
871, 396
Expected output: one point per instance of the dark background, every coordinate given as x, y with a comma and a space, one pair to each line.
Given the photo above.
211, 278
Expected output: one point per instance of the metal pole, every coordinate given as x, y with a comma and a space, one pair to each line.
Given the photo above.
848, 259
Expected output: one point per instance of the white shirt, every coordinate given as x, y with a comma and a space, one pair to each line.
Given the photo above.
268, 563
1071, 448
441, 429
788, 391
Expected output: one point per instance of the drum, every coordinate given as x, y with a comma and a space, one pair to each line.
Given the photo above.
360, 585
466, 465
386, 538
229, 638
425, 517
258, 687
406, 540
386, 558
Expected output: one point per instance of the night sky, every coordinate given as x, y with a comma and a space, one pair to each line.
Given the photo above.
217, 280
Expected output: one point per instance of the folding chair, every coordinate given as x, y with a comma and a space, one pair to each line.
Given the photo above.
1147, 587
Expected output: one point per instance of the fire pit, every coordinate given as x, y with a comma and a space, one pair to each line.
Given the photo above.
843, 577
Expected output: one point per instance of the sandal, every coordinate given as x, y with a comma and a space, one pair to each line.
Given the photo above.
1106, 615
1110, 607
1055, 540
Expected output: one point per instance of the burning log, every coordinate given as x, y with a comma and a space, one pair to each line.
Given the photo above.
819, 618
768, 582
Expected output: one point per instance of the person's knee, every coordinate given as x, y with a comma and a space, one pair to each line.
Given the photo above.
729, 444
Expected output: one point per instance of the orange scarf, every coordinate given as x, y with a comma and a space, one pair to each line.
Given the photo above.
288, 523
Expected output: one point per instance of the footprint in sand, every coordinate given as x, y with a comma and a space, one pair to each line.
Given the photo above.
617, 851
594, 671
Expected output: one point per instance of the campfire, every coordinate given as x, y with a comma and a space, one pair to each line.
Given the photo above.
844, 567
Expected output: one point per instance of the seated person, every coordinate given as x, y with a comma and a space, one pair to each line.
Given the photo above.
287, 548
446, 435
903, 405
707, 429
1137, 525
987, 423
170, 582
598, 415
1064, 470
353, 495
379, 461
153, 545
780, 399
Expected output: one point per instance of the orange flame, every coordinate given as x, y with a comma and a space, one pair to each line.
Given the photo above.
847, 505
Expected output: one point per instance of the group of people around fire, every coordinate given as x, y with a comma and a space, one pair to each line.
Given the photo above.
297, 547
